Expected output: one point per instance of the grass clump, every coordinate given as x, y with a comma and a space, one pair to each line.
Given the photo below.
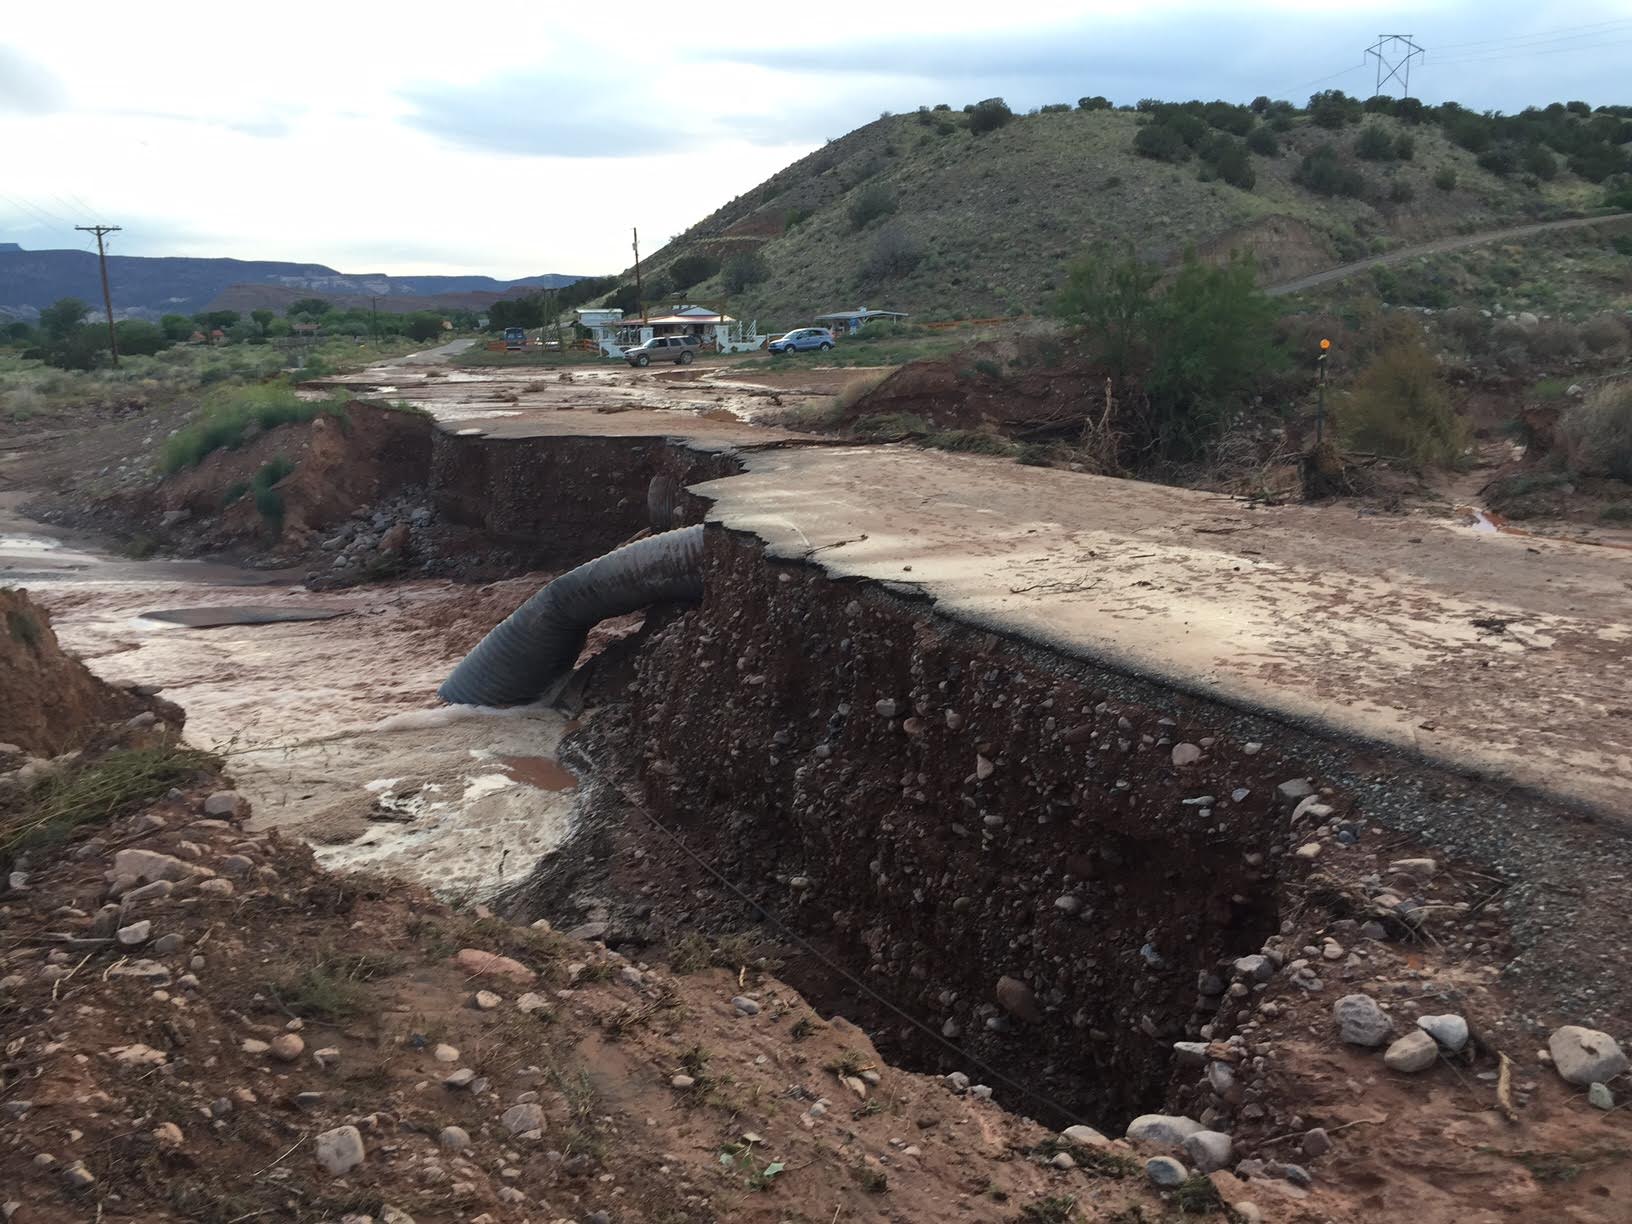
267, 498
94, 793
334, 987
1595, 435
22, 626
891, 425
971, 442
1399, 408
1055, 1209
229, 416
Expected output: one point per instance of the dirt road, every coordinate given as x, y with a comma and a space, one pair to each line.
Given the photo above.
1438, 247
1500, 655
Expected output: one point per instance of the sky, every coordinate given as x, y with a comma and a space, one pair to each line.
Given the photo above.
523, 139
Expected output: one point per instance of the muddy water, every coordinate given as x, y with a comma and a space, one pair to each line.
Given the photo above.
330, 727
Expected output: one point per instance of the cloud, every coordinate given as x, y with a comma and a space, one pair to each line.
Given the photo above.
27, 87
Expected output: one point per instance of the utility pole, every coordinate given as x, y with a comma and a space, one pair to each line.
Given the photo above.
107, 294
374, 319
1394, 54
640, 296
1320, 404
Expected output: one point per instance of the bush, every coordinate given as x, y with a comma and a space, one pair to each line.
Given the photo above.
873, 201
1398, 407
696, 267
1097, 102
1401, 192
743, 270
1236, 120
1325, 173
1332, 108
895, 254
1374, 143
1553, 340
1499, 161
1405, 148
1597, 162
1160, 141
267, 498
1604, 333
1595, 434
989, 115
1229, 160
1467, 327
1538, 161
1445, 178
1261, 140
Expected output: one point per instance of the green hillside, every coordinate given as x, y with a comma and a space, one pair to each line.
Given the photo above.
981, 223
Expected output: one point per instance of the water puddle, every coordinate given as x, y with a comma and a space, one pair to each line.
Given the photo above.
1486, 522
545, 773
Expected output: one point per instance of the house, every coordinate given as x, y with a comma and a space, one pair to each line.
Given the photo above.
612, 333
849, 322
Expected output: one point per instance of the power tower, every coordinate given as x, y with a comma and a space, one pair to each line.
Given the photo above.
1394, 53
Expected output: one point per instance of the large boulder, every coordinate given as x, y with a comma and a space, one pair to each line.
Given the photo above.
1586, 1056
1168, 1131
1360, 1021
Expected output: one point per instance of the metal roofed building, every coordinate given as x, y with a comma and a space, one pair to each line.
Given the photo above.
851, 321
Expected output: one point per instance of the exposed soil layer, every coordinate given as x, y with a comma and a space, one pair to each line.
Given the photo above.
49, 701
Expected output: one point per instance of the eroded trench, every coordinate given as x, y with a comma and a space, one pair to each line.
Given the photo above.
981, 852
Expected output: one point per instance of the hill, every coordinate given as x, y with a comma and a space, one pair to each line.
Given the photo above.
151, 286
970, 223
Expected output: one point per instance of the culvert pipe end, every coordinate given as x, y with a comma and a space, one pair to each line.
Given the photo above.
539, 642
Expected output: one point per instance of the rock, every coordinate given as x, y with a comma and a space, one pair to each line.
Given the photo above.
143, 972
1360, 1021
135, 935
286, 1047
523, 1119
445, 1053
1016, 998
682, 1082
1316, 1142
1068, 904
171, 517
888, 708
395, 539
958, 1082
1162, 1130
1166, 1172
1308, 851
1585, 1056
1254, 968
486, 1000
225, 803
237, 865
530, 1003
1451, 1031
328, 1058
78, 1176
156, 891
745, 1006
164, 945
1294, 791
1416, 1051
144, 865
1416, 868
1085, 1135
168, 1134
1209, 1150
1598, 1096
216, 888
340, 1150
1062, 1160
477, 963
1186, 754
454, 1138
462, 1078
253, 1046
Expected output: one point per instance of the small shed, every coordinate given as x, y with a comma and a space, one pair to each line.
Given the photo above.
849, 322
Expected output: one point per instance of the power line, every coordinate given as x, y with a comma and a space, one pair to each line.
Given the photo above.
107, 296
1525, 54
1553, 34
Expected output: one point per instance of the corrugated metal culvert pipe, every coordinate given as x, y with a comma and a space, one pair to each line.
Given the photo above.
538, 643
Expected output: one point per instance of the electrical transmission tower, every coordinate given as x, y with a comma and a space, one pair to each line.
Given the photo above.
102, 231
1394, 54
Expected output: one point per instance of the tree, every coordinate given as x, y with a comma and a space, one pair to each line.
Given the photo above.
177, 327
139, 338
1399, 407
1096, 102
312, 306
693, 268
1332, 108
208, 320
424, 326
1215, 333
1160, 141
895, 254
989, 115
1325, 173
1111, 298
1374, 143
18, 332
263, 318
873, 201
1261, 140
741, 271
59, 319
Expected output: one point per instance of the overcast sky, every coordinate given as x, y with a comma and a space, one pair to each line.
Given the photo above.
521, 139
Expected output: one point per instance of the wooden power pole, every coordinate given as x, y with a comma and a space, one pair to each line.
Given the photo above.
107, 295
640, 298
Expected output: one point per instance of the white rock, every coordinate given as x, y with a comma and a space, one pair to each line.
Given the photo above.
224, 803
1450, 1030
1209, 1150
522, 1119
340, 1150
1585, 1056
1416, 1051
1162, 1130
1085, 1135
1166, 1172
1186, 754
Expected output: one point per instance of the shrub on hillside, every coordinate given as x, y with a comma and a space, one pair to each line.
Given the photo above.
1499, 161
692, 269
1332, 108
1160, 141
743, 270
1605, 333
1595, 434
230, 415
1261, 140
1405, 147
895, 254
1473, 132
1236, 120
1097, 102
1228, 159
873, 201
1401, 192
989, 115
1445, 178
1553, 340
1466, 327
1324, 172
1538, 161
1374, 143
1398, 407
1597, 162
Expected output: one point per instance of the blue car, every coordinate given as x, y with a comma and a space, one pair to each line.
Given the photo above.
803, 340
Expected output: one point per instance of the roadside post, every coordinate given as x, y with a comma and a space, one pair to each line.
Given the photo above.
1320, 402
